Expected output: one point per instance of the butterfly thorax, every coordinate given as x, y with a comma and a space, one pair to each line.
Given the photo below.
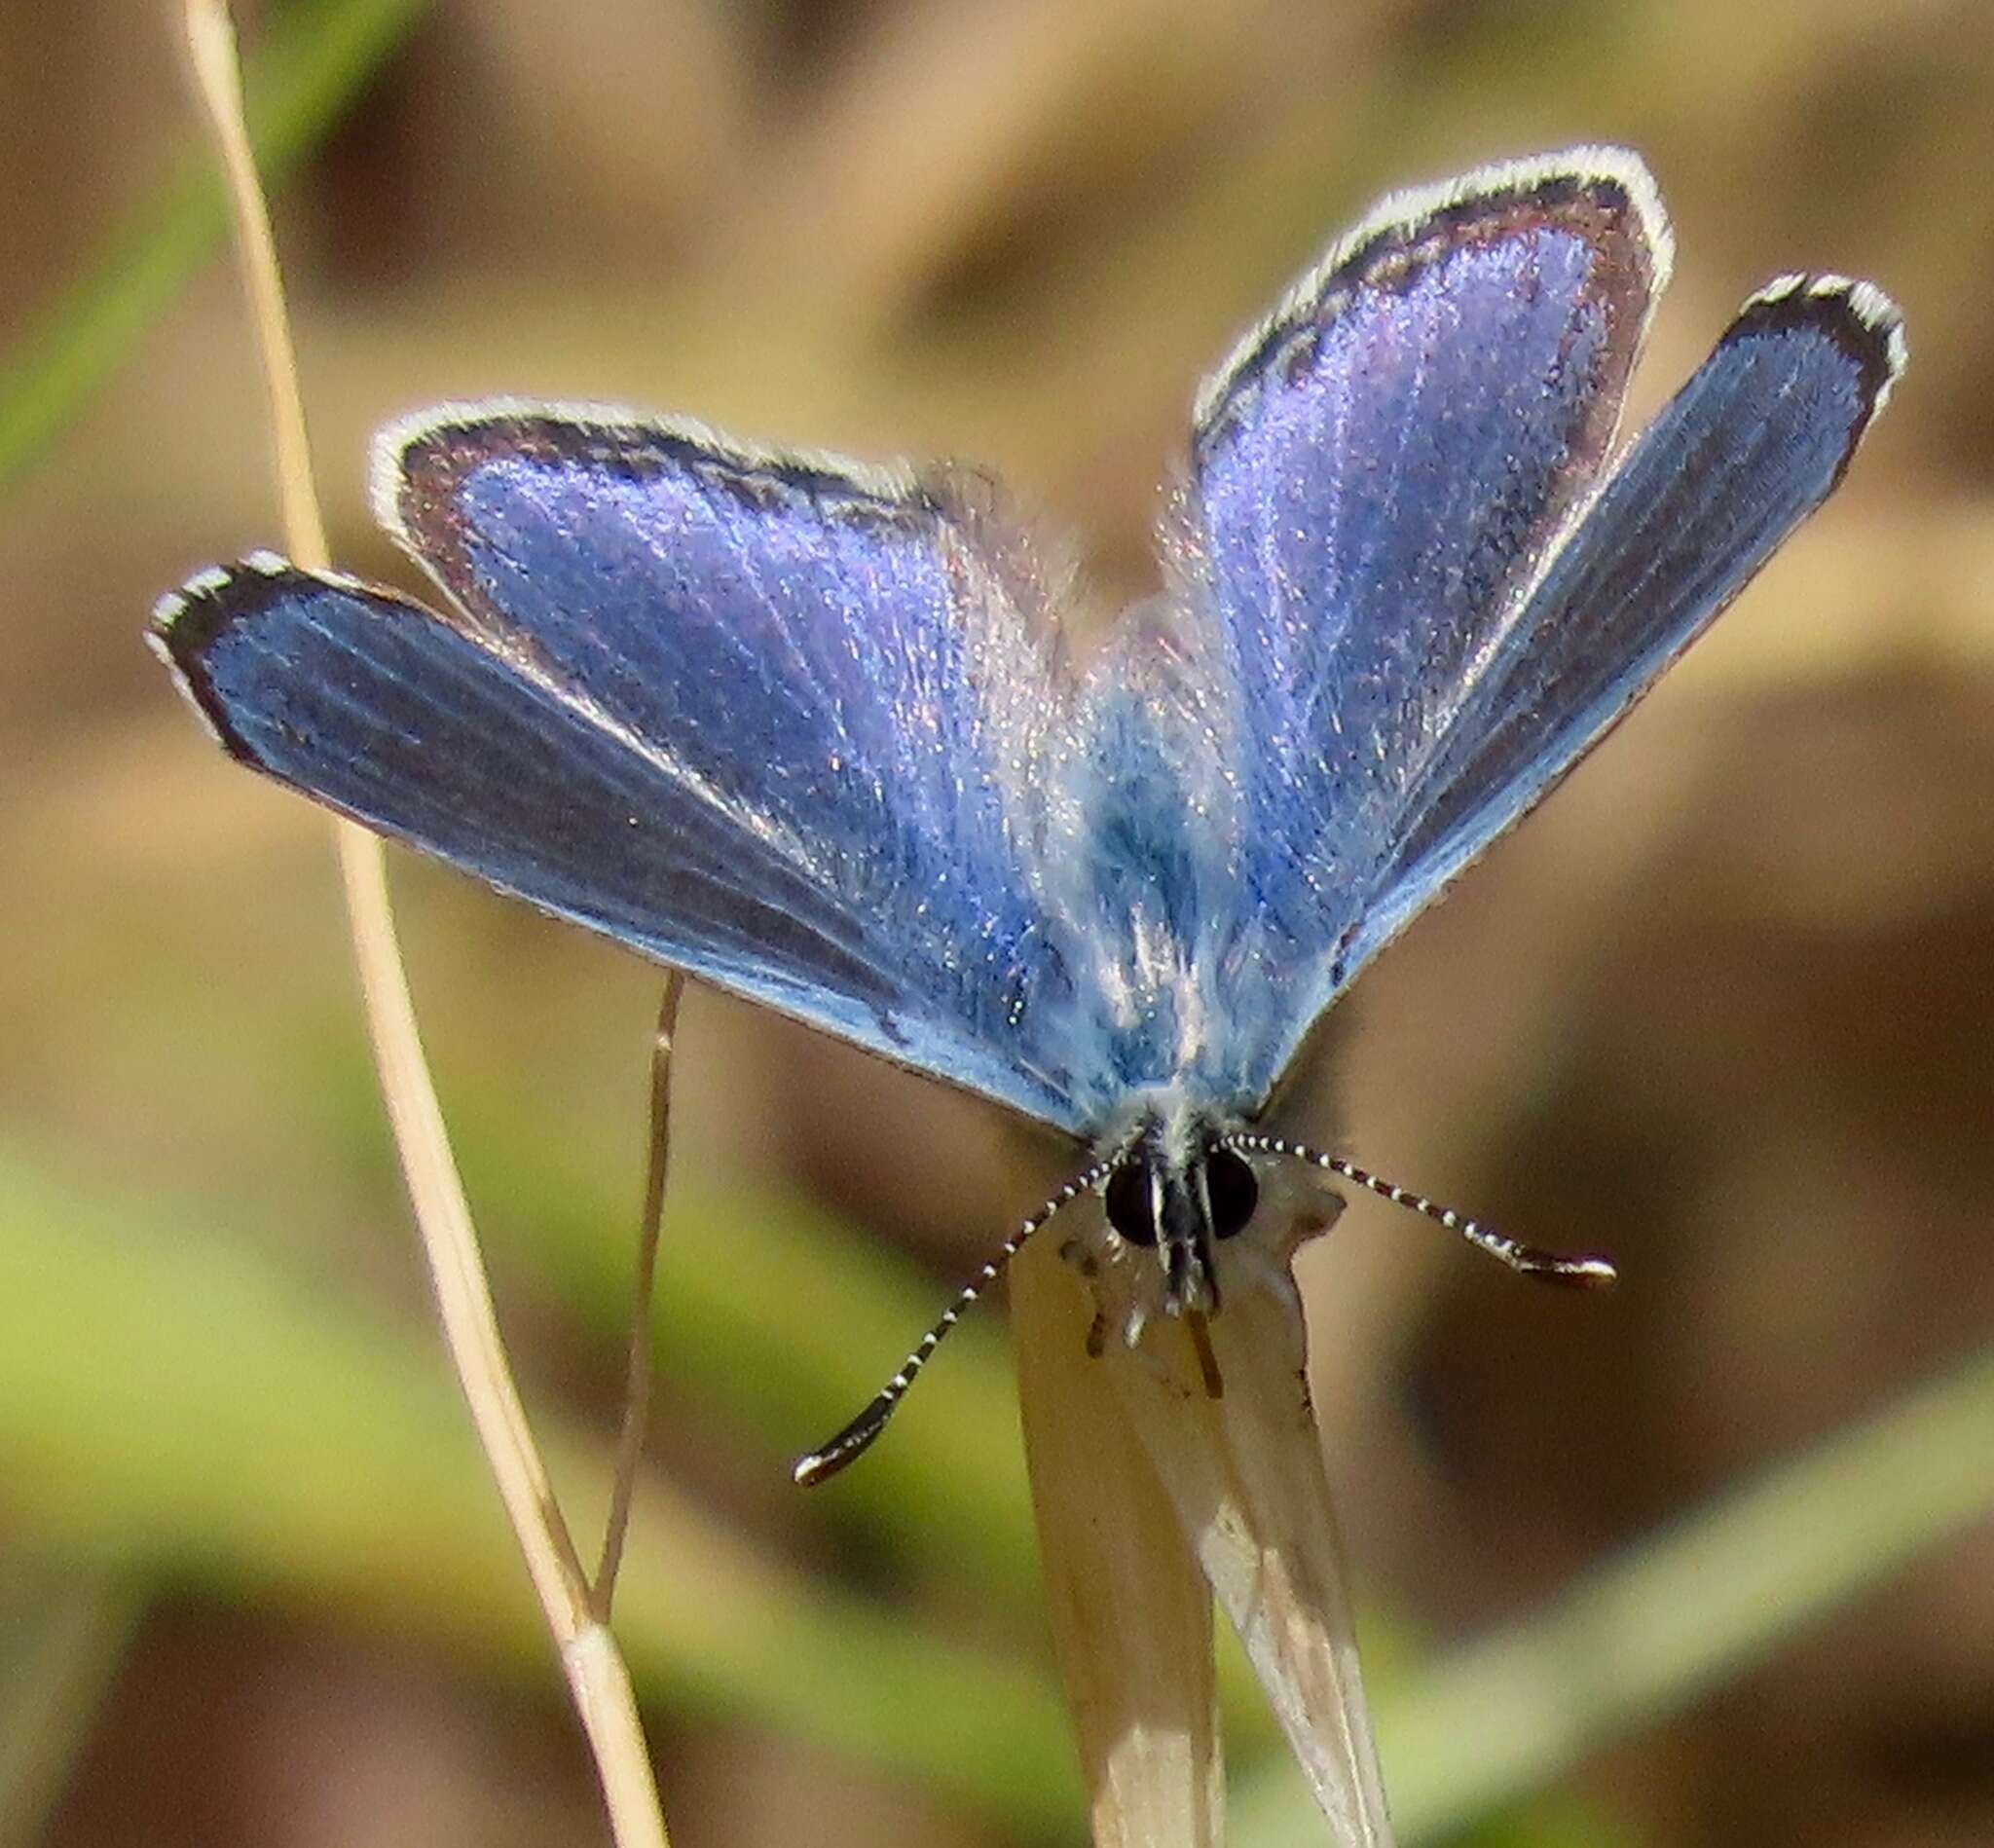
1179, 1191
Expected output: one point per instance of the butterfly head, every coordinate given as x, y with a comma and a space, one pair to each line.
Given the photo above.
1180, 1191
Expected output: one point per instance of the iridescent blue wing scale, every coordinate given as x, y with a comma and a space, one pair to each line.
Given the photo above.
805, 728
1377, 475
1752, 445
1420, 602
770, 721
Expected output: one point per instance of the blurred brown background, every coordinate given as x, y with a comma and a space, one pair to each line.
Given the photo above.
1722, 1009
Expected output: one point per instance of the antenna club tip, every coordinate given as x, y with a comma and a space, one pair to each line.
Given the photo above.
1587, 1273
818, 1466
850, 1444
808, 1471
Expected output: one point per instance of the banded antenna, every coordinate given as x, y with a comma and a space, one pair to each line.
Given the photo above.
859, 1436
1584, 1272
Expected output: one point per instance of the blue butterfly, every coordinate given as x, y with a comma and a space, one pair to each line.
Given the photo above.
816, 731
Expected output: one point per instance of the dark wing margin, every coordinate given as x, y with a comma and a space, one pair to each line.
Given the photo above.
370, 703
769, 719
1759, 438
1378, 474
1605, 196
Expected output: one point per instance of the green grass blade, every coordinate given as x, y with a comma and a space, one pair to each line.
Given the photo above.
171, 1405
315, 61
64, 1631
1702, 1599
783, 1316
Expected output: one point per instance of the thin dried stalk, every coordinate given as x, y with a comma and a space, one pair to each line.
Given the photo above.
596, 1674
637, 1383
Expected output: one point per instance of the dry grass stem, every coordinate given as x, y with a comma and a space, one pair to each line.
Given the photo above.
595, 1671
637, 1388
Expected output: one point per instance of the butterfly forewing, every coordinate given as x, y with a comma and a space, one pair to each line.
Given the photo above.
769, 721
1376, 478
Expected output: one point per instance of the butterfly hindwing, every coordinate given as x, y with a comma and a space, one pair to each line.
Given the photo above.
1752, 445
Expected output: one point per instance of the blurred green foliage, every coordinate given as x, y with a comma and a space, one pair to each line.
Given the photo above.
1722, 1009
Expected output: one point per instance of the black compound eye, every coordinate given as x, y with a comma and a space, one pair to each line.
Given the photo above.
1131, 1209
1233, 1189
